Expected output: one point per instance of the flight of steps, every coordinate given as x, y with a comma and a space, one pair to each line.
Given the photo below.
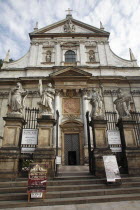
74, 185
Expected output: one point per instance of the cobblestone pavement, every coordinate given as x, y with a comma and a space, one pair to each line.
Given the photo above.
123, 205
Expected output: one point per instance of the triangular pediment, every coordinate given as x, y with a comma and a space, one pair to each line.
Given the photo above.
69, 25
71, 72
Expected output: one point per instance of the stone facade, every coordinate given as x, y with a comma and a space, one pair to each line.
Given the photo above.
94, 66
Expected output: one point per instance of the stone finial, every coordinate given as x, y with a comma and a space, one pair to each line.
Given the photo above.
36, 26
132, 57
7, 57
101, 26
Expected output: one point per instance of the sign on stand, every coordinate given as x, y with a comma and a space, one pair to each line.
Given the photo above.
37, 180
111, 168
29, 140
114, 140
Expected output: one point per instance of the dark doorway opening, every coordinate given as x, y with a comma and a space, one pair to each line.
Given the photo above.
72, 158
72, 149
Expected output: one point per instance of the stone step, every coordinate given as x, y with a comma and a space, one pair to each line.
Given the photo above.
91, 186
14, 189
70, 194
67, 201
95, 192
74, 177
63, 181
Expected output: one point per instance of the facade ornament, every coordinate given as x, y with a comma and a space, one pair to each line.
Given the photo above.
16, 100
91, 56
36, 26
132, 57
7, 57
48, 56
47, 98
69, 26
101, 26
123, 104
96, 101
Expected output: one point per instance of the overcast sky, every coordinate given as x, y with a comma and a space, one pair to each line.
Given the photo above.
120, 17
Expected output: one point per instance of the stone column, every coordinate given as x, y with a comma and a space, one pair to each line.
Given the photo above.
85, 109
101, 147
45, 153
57, 107
130, 145
10, 151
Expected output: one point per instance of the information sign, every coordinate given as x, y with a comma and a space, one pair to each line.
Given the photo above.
111, 168
113, 137
37, 180
29, 140
58, 160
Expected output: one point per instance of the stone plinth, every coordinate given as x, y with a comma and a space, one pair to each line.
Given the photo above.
12, 131
99, 169
45, 153
130, 145
126, 127
9, 162
101, 146
99, 133
10, 151
133, 160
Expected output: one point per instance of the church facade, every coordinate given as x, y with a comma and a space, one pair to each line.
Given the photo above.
71, 69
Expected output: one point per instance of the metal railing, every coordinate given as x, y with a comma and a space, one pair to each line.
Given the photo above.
136, 123
31, 116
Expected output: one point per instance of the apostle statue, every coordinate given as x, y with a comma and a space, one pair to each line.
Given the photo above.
91, 56
96, 101
47, 98
16, 99
123, 104
48, 56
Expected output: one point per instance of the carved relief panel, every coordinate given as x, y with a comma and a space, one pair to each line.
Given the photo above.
71, 106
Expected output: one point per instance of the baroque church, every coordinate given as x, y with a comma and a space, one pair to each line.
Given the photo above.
75, 91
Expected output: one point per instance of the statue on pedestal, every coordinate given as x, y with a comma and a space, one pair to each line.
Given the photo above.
96, 101
91, 56
123, 104
48, 56
47, 98
16, 100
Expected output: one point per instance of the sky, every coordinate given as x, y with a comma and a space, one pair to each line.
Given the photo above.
119, 17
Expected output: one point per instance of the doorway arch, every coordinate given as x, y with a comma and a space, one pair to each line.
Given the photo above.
72, 131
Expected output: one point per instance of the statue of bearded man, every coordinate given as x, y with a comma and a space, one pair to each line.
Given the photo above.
47, 98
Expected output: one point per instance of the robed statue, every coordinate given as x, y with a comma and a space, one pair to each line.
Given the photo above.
123, 104
47, 98
96, 101
16, 99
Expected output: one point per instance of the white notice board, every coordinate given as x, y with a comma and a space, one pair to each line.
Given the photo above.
114, 137
111, 168
29, 136
58, 160
29, 140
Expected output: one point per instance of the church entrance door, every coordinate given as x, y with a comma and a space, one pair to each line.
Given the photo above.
71, 149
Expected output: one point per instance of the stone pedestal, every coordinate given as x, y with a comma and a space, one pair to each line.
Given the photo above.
130, 145
45, 153
10, 151
100, 144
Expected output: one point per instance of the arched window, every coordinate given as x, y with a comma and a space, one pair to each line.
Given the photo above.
70, 56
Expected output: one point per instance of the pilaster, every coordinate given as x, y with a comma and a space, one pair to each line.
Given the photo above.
10, 151
45, 153
100, 144
130, 146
